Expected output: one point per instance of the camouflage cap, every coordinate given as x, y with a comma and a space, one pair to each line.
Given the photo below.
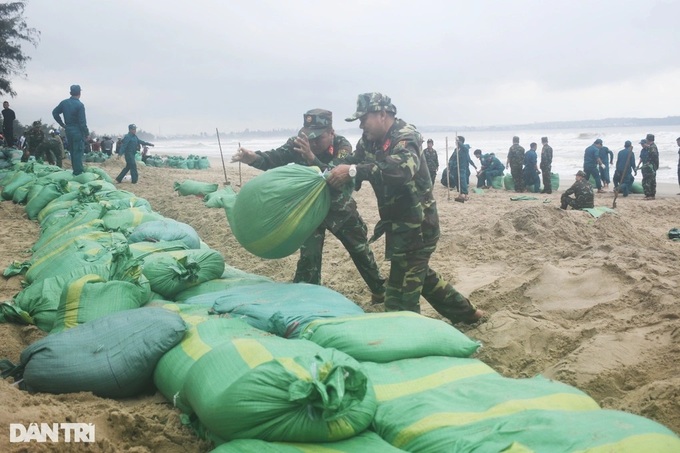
581, 173
316, 122
372, 102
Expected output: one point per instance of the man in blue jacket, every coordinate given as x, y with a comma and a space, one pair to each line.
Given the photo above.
592, 163
75, 124
625, 166
131, 143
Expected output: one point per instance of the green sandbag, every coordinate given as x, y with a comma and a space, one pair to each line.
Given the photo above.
508, 182
202, 163
57, 204
208, 292
99, 172
637, 188
284, 309
86, 177
275, 212
144, 249
45, 196
191, 314
41, 300
172, 272
497, 182
112, 357
21, 193
279, 390
371, 336
19, 179
91, 297
554, 181
125, 220
35, 190
367, 441
172, 369
92, 226
217, 198
166, 230
126, 203
189, 187
463, 405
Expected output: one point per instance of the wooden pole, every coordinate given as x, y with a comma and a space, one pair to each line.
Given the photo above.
226, 180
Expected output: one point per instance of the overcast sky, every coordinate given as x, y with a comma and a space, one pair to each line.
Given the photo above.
175, 67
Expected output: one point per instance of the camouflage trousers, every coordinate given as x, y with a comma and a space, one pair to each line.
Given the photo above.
411, 277
517, 177
354, 236
648, 180
547, 182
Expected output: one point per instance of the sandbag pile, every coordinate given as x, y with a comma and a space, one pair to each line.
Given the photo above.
256, 365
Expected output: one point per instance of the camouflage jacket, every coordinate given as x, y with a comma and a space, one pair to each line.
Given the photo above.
432, 159
546, 156
653, 156
398, 172
34, 137
583, 194
516, 155
343, 205
52, 144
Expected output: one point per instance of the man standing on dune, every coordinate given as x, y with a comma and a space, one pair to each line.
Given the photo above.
75, 124
515, 162
389, 156
592, 163
546, 165
649, 168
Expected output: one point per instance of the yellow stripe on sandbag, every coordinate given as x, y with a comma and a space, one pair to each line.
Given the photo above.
298, 370
88, 237
387, 392
192, 320
656, 442
252, 352
193, 345
340, 429
73, 293
554, 402
275, 238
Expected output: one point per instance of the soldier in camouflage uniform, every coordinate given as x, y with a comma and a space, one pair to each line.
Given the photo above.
52, 149
317, 145
389, 156
582, 191
515, 162
432, 159
546, 165
34, 138
649, 167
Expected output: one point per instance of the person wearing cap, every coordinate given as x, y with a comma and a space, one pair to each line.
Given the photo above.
317, 145
582, 191
530, 172
8, 118
592, 163
129, 146
389, 156
607, 158
432, 159
75, 124
546, 165
649, 164
625, 167
515, 161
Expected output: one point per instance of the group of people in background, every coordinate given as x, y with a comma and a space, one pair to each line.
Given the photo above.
70, 115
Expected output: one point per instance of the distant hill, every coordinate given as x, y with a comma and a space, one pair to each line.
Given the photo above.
607, 122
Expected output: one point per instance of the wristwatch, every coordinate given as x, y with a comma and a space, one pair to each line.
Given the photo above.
352, 171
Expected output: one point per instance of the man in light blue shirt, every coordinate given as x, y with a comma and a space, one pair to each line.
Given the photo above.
76, 126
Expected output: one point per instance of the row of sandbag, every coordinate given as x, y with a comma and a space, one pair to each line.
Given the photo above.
430, 397
93, 247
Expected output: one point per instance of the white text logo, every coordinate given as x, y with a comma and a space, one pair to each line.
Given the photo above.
55, 432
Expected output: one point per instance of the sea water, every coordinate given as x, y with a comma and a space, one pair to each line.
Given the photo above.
568, 145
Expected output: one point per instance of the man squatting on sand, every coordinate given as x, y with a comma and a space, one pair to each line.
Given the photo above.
389, 156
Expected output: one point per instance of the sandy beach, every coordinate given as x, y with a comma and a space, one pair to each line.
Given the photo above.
590, 302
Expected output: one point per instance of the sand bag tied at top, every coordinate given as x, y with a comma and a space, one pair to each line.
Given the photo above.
275, 212
279, 390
